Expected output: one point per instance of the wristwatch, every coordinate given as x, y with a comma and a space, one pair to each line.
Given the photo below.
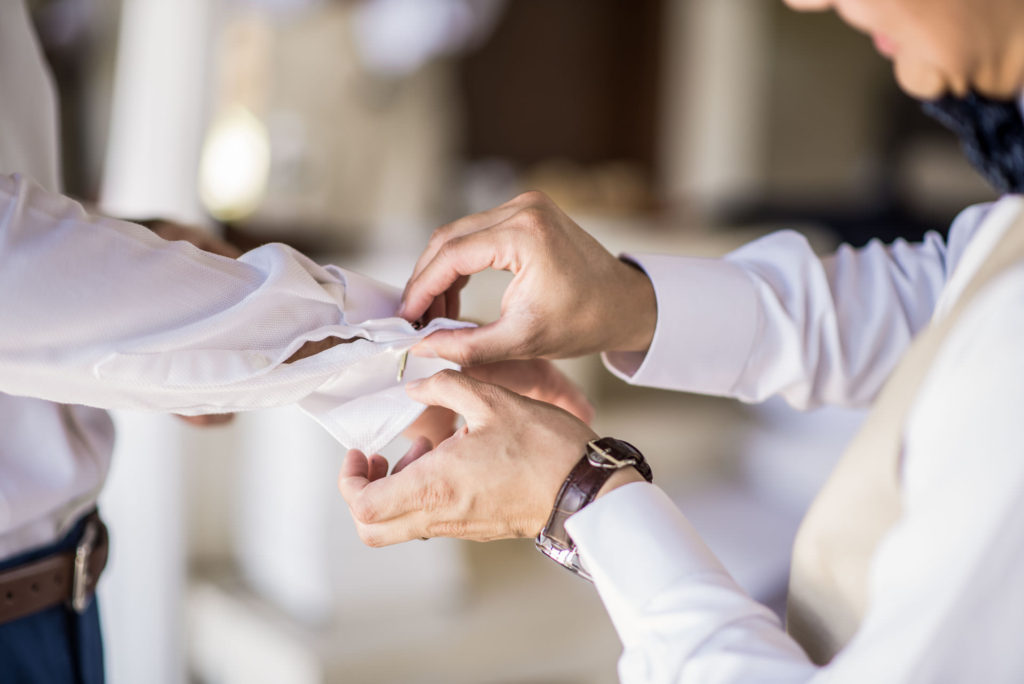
603, 457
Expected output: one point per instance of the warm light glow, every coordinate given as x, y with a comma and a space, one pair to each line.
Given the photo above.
235, 165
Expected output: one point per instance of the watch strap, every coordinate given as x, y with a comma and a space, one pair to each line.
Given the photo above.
602, 458
578, 490
615, 454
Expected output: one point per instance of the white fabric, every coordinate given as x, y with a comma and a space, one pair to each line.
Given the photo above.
946, 584
102, 313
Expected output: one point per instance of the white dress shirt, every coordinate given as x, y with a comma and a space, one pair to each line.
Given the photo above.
947, 582
97, 313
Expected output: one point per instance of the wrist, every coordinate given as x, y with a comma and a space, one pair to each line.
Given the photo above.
620, 478
606, 465
639, 310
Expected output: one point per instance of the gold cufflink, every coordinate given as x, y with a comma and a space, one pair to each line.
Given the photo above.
401, 364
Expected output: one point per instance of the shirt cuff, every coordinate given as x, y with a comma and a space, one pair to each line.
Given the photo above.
635, 543
707, 323
365, 298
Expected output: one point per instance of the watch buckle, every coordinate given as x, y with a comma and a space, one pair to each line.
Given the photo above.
568, 558
599, 457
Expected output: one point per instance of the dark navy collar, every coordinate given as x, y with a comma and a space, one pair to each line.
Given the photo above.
991, 133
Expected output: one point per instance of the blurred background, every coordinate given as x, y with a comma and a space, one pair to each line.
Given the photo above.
350, 129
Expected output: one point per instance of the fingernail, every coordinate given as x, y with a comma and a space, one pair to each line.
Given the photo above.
401, 310
423, 351
413, 384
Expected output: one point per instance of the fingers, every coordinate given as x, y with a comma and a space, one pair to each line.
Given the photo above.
419, 447
469, 398
435, 423
453, 297
420, 507
557, 388
354, 476
537, 379
373, 517
437, 309
468, 246
459, 257
473, 346
578, 405
414, 526
465, 226
414, 491
370, 495
378, 468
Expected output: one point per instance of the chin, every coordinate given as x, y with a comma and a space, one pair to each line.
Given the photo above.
923, 83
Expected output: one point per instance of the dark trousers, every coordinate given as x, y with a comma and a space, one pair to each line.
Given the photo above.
56, 645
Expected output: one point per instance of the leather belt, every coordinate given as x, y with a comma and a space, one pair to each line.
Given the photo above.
67, 577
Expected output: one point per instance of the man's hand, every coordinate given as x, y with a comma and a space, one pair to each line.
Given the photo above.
497, 477
534, 378
569, 296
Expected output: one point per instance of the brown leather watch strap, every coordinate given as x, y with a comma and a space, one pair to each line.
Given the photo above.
578, 490
38, 585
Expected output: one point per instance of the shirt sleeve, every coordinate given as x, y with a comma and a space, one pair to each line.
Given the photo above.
945, 581
102, 312
773, 318
679, 614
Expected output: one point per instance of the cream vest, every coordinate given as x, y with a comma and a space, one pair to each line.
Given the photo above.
861, 499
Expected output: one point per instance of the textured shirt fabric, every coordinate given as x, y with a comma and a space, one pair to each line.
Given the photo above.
945, 584
97, 313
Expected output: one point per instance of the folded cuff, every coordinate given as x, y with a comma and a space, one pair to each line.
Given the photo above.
636, 543
707, 322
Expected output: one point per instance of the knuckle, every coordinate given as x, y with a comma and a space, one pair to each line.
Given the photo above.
448, 376
439, 236
448, 528
532, 218
469, 356
451, 248
535, 225
491, 398
371, 539
436, 496
533, 197
364, 511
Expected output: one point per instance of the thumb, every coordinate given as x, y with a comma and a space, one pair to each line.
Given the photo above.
456, 391
471, 346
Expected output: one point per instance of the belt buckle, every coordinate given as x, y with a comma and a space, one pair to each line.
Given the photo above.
83, 552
